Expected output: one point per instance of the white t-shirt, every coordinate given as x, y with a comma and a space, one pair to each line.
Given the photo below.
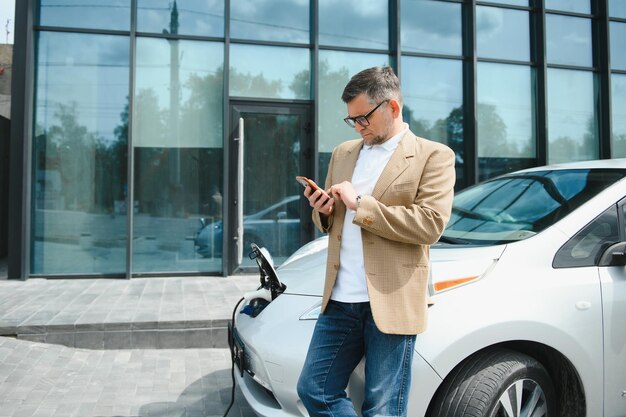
350, 286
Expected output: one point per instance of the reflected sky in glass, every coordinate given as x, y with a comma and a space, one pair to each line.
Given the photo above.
502, 33
183, 113
269, 72
195, 17
618, 45
335, 70
268, 20
572, 121
568, 40
617, 8
505, 111
354, 23
577, 6
618, 120
432, 89
90, 74
104, 14
431, 27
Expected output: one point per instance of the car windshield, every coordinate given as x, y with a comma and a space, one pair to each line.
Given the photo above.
517, 206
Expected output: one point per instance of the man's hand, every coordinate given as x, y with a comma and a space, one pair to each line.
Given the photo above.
319, 200
345, 192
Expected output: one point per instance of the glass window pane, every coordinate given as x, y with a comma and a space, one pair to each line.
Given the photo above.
104, 14
433, 102
269, 72
511, 2
576, 6
335, 70
505, 117
568, 40
354, 23
618, 45
177, 137
572, 119
617, 8
284, 21
618, 118
502, 33
431, 27
80, 148
184, 17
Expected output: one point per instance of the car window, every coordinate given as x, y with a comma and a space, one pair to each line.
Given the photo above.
586, 246
516, 206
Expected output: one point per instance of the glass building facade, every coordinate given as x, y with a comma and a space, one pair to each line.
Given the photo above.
161, 137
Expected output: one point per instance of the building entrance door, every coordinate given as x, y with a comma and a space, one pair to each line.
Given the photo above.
270, 144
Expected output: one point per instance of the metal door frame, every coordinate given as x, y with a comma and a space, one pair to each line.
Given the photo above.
235, 108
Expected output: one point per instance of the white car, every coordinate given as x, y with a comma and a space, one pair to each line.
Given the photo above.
528, 284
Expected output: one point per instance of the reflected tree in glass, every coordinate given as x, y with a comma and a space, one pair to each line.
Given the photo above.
618, 108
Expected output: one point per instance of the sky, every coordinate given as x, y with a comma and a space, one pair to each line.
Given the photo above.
7, 14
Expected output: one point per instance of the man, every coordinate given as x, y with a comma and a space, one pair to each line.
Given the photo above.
388, 197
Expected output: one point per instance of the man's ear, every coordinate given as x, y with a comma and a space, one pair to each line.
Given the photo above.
396, 109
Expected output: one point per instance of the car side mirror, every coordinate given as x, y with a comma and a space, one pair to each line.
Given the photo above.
614, 255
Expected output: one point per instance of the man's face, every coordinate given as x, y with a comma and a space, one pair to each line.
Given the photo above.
380, 121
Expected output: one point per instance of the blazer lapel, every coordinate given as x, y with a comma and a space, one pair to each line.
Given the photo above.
397, 164
345, 171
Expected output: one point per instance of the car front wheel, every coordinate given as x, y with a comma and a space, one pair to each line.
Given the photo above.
497, 383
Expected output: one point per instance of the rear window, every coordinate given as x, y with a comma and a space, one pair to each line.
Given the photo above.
517, 206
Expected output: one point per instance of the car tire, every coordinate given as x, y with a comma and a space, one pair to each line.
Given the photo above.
493, 383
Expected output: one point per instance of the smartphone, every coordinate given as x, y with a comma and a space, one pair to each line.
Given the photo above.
305, 181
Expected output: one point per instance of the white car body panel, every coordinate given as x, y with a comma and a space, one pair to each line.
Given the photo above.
613, 280
578, 311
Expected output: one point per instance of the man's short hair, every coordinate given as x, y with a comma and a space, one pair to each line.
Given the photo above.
378, 83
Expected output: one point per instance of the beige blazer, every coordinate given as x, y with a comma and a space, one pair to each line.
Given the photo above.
407, 212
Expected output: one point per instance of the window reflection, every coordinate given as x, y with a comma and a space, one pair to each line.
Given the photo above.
618, 120
502, 33
431, 27
284, 21
568, 40
505, 132
511, 2
577, 6
80, 154
184, 17
354, 23
269, 72
433, 102
335, 70
617, 8
618, 45
105, 14
177, 137
572, 120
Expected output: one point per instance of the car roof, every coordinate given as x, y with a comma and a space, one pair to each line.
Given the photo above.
619, 163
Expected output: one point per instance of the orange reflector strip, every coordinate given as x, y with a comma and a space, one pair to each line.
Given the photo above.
444, 285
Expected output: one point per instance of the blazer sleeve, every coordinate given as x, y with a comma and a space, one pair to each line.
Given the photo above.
324, 223
424, 221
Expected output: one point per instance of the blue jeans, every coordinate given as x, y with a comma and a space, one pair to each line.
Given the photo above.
343, 335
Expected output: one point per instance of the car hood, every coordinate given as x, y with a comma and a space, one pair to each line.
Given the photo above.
303, 273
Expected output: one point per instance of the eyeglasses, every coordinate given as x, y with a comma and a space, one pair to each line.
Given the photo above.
362, 120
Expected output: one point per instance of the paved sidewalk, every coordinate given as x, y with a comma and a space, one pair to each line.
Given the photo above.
45, 380
149, 347
168, 313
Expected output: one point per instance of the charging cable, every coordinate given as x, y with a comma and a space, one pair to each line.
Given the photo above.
232, 357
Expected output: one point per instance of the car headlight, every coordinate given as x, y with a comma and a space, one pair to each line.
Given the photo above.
313, 312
